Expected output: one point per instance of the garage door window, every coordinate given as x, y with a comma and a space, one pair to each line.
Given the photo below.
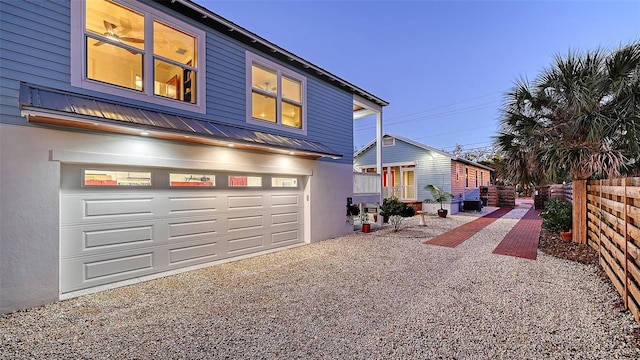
200, 180
245, 181
116, 178
284, 182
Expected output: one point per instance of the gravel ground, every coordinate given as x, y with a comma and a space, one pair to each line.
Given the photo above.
362, 296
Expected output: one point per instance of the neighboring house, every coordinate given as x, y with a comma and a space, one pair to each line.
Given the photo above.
409, 166
140, 138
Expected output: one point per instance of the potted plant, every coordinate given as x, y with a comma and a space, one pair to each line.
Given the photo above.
364, 220
558, 217
395, 211
439, 196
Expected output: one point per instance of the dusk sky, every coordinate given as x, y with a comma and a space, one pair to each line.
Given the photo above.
443, 65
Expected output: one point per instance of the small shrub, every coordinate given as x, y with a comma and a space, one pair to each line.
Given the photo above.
557, 215
396, 210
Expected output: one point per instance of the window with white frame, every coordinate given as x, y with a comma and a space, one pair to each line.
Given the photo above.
129, 49
276, 96
388, 141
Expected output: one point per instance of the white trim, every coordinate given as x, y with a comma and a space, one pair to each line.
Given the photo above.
78, 58
250, 58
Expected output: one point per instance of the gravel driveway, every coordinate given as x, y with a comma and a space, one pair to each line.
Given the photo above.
362, 296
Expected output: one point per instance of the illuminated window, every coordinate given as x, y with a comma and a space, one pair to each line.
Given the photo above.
192, 180
116, 178
284, 182
245, 181
276, 95
135, 51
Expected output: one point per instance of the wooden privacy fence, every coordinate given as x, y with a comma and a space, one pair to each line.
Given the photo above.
606, 216
501, 196
557, 191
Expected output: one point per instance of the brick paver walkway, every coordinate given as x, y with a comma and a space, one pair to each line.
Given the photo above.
522, 240
458, 235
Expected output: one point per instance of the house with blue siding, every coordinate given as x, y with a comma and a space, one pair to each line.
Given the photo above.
408, 166
144, 138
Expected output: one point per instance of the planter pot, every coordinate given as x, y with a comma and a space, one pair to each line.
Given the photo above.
566, 236
442, 213
366, 228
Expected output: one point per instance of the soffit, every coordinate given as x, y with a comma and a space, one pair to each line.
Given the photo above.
61, 108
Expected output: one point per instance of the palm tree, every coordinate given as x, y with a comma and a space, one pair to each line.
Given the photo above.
580, 118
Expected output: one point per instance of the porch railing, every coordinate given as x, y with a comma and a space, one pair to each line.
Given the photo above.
366, 183
401, 192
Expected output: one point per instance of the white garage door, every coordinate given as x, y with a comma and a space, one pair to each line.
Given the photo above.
119, 224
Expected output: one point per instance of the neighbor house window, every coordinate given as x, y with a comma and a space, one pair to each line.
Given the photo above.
388, 141
132, 50
276, 96
466, 177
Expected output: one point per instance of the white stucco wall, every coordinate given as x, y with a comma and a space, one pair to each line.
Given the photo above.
30, 160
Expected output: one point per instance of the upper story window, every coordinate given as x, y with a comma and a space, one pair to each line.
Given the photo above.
132, 50
276, 96
388, 141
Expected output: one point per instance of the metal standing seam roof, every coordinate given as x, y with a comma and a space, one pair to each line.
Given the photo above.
36, 100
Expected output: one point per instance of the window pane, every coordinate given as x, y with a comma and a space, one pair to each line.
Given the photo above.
116, 178
291, 89
168, 80
192, 180
245, 181
291, 115
114, 65
284, 182
264, 79
174, 44
263, 107
115, 22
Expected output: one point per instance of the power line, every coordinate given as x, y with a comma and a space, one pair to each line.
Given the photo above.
444, 106
438, 115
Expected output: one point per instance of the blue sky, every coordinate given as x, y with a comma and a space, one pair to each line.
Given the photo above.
443, 65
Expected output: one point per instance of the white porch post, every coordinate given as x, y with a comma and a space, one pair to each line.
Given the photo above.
379, 152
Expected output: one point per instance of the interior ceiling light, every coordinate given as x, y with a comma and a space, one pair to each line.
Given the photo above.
181, 51
144, 133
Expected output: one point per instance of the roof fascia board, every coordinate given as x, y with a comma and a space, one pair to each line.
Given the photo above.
253, 40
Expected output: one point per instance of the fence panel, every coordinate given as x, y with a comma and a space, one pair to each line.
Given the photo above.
613, 228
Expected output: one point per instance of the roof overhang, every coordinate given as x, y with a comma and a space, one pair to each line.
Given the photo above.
58, 108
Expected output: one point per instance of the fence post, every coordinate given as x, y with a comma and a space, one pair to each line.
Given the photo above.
580, 211
625, 201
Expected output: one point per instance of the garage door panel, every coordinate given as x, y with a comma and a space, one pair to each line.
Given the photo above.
193, 205
99, 208
285, 218
193, 253
244, 202
245, 222
192, 228
103, 238
116, 266
245, 244
285, 200
284, 238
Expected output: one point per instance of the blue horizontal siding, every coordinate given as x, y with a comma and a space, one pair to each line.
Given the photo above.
36, 49
431, 167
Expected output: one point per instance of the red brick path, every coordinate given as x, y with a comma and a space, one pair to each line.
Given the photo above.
458, 235
522, 240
